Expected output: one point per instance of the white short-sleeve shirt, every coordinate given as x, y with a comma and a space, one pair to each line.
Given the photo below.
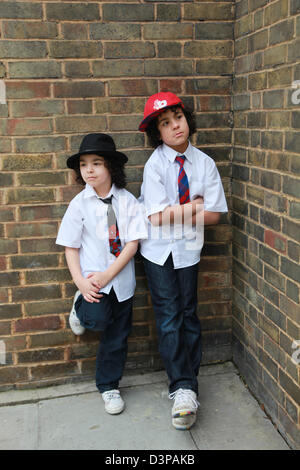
160, 190
84, 226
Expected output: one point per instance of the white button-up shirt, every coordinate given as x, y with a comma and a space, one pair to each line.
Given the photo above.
84, 226
160, 190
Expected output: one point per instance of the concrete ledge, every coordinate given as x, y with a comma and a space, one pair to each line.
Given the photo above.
18, 397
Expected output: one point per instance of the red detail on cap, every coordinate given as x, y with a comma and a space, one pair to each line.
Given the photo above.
156, 104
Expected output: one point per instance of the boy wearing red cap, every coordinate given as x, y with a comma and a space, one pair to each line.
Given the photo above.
181, 192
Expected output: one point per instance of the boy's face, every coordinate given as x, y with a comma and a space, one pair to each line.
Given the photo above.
94, 172
174, 129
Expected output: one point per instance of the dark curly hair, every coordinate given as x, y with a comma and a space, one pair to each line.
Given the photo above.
152, 128
115, 167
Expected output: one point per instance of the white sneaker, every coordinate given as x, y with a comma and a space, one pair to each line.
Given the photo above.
75, 324
184, 409
113, 402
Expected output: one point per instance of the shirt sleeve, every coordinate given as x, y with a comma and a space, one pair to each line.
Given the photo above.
214, 197
71, 227
153, 192
137, 226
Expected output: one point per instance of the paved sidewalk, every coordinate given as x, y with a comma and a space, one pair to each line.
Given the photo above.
68, 417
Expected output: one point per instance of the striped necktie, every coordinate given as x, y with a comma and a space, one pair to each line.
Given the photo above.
183, 183
113, 231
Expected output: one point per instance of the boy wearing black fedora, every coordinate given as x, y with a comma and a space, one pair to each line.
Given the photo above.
100, 231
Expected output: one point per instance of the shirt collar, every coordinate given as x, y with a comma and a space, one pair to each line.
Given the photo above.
172, 154
90, 192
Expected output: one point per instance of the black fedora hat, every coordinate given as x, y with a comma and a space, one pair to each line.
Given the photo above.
100, 144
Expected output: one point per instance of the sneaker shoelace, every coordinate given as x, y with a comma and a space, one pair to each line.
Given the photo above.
112, 395
181, 396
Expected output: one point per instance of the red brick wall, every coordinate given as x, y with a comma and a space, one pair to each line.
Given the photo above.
76, 67
266, 207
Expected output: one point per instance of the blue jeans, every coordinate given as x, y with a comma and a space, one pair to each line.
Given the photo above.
114, 320
174, 299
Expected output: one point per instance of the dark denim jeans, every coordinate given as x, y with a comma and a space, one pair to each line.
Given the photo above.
114, 320
174, 299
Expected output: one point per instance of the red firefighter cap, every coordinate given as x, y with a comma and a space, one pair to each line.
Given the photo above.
156, 104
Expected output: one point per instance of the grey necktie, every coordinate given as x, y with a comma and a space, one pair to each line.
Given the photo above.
113, 231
